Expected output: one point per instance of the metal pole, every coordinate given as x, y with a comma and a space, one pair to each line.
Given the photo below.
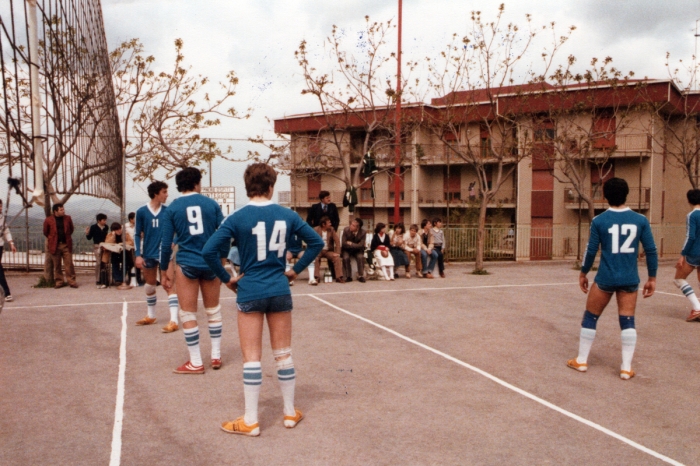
397, 168
32, 27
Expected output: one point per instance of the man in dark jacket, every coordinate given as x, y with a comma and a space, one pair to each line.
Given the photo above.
58, 229
353, 246
97, 233
325, 208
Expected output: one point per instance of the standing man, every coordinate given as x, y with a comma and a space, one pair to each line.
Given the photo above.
690, 255
6, 236
98, 233
331, 249
58, 228
262, 230
130, 228
353, 246
617, 232
325, 208
149, 219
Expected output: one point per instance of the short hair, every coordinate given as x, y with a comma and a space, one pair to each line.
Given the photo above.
100, 217
131, 215
155, 188
413, 227
259, 178
359, 221
424, 222
56, 207
400, 225
380, 226
615, 191
187, 178
436, 219
324, 219
694, 196
115, 226
323, 194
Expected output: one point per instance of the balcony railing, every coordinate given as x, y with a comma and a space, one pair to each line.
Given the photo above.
638, 198
442, 154
462, 198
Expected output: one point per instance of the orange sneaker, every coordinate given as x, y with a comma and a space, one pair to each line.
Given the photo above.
291, 421
189, 368
626, 375
216, 364
579, 366
171, 327
694, 315
241, 428
146, 321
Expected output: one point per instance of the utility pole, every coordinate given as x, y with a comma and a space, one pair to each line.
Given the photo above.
397, 168
37, 144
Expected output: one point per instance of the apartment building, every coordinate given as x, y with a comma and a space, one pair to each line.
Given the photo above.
555, 146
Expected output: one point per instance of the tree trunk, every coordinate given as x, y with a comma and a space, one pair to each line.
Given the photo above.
481, 235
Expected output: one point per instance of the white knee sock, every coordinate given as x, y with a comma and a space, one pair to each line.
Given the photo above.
288, 267
287, 380
192, 339
629, 341
386, 274
174, 305
688, 292
585, 344
312, 269
151, 303
391, 272
252, 382
215, 336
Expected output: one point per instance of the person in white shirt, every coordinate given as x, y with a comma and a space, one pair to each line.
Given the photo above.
6, 236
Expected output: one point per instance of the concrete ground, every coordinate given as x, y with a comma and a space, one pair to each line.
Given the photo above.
462, 370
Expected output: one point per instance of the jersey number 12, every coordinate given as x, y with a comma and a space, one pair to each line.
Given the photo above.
277, 239
627, 229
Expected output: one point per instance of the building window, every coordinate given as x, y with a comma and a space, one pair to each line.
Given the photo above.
313, 187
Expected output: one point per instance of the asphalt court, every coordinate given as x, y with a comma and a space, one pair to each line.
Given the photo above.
463, 370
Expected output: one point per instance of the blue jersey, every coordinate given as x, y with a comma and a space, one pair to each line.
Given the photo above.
618, 232
193, 218
262, 231
149, 223
691, 247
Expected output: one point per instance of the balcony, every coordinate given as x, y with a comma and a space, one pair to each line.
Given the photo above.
438, 198
624, 145
637, 199
440, 154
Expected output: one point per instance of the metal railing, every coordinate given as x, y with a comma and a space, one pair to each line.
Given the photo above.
638, 198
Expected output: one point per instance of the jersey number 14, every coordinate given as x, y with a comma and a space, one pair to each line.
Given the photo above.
277, 239
629, 230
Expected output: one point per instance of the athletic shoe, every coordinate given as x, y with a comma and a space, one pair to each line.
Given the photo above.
578, 366
626, 375
9, 298
240, 427
694, 315
188, 368
291, 421
216, 364
146, 321
171, 327
313, 282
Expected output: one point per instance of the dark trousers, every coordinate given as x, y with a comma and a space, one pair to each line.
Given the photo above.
118, 270
440, 259
3, 281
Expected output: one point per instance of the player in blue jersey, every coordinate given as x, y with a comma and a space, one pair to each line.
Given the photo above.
295, 251
690, 255
617, 232
262, 231
149, 220
190, 221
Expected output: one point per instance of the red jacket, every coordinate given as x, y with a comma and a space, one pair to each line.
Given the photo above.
51, 232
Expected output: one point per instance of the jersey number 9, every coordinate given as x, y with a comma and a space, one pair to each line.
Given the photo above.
194, 216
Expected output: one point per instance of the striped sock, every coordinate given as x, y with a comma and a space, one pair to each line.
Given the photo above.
287, 379
174, 305
192, 340
690, 294
252, 382
629, 341
585, 344
215, 335
151, 303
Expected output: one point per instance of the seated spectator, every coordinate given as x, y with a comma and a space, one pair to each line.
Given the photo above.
428, 250
296, 251
331, 249
354, 247
413, 246
115, 237
398, 252
380, 247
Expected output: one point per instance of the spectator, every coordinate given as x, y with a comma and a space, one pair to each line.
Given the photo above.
354, 238
413, 246
428, 249
116, 258
130, 228
439, 244
6, 236
398, 252
380, 248
58, 229
296, 251
325, 208
97, 233
331, 249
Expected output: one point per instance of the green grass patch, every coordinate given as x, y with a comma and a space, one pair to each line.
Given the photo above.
480, 272
43, 283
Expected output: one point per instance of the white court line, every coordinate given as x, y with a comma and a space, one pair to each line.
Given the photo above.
671, 294
509, 386
115, 458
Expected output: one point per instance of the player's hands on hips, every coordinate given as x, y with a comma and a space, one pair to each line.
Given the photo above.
166, 282
290, 274
649, 287
139, 262
680, 263
583, 282
233, 283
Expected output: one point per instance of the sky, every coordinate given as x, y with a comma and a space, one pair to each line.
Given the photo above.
257, 39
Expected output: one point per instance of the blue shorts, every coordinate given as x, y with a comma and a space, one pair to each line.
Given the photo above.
692, 261
613, 289
150, 263
197, 274
274, 304
295, 254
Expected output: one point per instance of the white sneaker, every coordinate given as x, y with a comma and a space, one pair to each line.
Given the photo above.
9, 298
291, 283
313, 282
